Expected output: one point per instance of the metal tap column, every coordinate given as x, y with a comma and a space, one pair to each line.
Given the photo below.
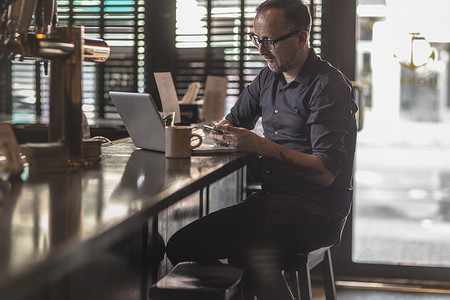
65, 96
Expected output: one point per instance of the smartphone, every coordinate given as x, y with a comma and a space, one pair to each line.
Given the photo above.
211, 129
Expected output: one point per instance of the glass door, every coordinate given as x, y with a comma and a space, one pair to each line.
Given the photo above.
400, 225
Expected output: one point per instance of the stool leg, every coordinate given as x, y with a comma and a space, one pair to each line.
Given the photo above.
328, 277
304, 282
292, 281
144, 257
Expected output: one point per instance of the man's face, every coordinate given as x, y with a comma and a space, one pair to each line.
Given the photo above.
271, 25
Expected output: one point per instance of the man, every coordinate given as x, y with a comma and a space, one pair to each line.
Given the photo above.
308, 118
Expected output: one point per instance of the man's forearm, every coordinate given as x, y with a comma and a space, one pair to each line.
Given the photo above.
225, 122
308, 166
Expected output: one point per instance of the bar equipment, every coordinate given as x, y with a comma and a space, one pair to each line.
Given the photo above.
65, 48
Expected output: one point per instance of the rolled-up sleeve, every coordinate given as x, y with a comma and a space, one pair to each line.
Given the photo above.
331, 111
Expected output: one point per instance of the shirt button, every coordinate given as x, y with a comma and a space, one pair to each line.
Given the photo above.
276, 111
276, 132
267, 171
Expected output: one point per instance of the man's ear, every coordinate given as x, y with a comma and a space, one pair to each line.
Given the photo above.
303, 38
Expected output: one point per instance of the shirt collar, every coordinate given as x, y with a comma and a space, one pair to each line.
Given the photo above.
307, 70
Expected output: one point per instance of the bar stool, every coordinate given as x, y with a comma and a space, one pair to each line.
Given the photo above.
196, 281
297, 269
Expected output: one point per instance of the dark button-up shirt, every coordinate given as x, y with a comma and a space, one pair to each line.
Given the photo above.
314, 114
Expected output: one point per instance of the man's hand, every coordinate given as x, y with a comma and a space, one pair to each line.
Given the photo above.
243, 139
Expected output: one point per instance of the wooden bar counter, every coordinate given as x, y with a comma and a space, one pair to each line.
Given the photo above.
52, 225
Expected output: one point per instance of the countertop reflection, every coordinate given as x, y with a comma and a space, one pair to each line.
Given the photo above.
53, 222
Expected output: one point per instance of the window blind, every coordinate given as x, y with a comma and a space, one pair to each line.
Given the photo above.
28, 98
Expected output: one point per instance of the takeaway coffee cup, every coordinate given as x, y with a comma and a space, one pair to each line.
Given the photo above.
178, 141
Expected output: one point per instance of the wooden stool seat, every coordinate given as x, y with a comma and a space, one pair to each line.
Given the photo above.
190, 280
299, 267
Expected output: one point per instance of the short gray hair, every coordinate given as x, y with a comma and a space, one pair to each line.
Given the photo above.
296, 12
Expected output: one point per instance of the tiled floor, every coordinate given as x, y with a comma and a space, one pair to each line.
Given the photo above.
115, 277
355, 294
387, 295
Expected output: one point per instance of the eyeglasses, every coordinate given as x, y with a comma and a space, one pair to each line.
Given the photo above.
269, 44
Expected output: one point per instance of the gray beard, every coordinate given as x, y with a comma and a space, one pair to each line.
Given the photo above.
284, 66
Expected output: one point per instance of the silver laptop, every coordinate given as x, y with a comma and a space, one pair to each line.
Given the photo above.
145, 126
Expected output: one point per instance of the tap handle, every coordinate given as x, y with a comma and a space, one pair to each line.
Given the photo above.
45, 15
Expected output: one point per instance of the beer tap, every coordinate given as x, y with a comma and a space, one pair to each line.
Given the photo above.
65, 48
15, 19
